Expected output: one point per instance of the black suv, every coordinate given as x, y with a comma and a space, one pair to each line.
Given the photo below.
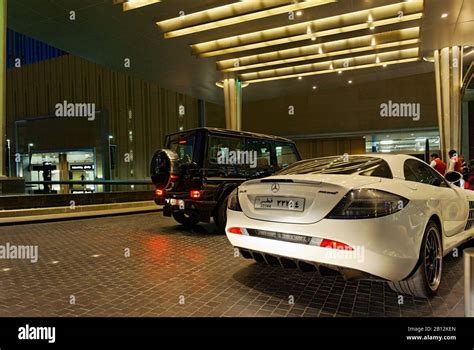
199, 168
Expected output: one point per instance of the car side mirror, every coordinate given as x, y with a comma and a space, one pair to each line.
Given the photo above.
454, 178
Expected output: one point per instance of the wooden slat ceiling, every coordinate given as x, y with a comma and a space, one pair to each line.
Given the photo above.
188, 45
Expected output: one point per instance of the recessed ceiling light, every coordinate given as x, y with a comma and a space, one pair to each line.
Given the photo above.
444, 15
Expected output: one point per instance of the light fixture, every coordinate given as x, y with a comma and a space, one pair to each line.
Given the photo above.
111, 137
349, 22
135, 4
349, 81
444, 15
314, 87
235, 13
325, 67
220, 84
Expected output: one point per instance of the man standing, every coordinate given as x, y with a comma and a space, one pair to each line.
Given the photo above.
454, 163
438, 164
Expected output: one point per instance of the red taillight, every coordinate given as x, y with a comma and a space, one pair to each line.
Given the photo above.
182, 141
235, 230
329, 243
195, 194
174, 177
160, 192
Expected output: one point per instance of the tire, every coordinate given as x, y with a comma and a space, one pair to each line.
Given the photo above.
425, 281
220, 215
185, 219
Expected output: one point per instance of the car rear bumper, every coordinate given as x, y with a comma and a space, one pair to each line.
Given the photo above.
387, 247
203, 209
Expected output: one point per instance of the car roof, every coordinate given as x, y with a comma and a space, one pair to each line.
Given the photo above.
222, 131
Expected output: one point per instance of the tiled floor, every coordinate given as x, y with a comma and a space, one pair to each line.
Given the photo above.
83, 270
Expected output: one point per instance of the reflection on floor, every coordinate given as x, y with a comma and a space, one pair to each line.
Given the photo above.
146, 265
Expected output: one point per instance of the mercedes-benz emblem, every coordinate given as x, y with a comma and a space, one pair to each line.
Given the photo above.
275, 187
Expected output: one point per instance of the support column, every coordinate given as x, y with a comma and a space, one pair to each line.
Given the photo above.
3, 80
448, 75
233, 103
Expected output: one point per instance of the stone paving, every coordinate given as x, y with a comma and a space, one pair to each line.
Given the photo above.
146, 265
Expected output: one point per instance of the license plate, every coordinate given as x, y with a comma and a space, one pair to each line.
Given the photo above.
178, 202
279, 203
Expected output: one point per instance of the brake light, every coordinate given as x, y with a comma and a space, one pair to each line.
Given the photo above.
174, 177
195, 194
329, 243
235, 230
182, 141
160, 192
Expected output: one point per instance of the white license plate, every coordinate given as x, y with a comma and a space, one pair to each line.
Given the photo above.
279, 203
178, 202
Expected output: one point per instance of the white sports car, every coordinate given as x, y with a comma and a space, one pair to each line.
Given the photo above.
388, 217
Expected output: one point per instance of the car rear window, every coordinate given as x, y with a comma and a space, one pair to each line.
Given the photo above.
183, 145
345, 165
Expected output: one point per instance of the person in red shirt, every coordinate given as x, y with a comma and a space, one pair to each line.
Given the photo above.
454, 162
438, 164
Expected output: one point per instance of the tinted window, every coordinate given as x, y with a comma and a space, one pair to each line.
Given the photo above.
261, 152
366, 166
183, 146
285, 154
224, 157
418, 171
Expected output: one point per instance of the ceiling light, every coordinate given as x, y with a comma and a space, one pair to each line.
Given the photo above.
231, 14
325, 67
444, 15
220, 84
349, 82
314, 87
349, 22
134, 4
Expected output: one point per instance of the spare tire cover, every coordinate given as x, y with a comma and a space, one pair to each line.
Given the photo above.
164, 163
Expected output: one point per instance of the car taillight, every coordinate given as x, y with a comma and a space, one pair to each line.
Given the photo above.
195, 194
329, 243
174, 177
367, 203
233, 201
159, 192
235, 230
